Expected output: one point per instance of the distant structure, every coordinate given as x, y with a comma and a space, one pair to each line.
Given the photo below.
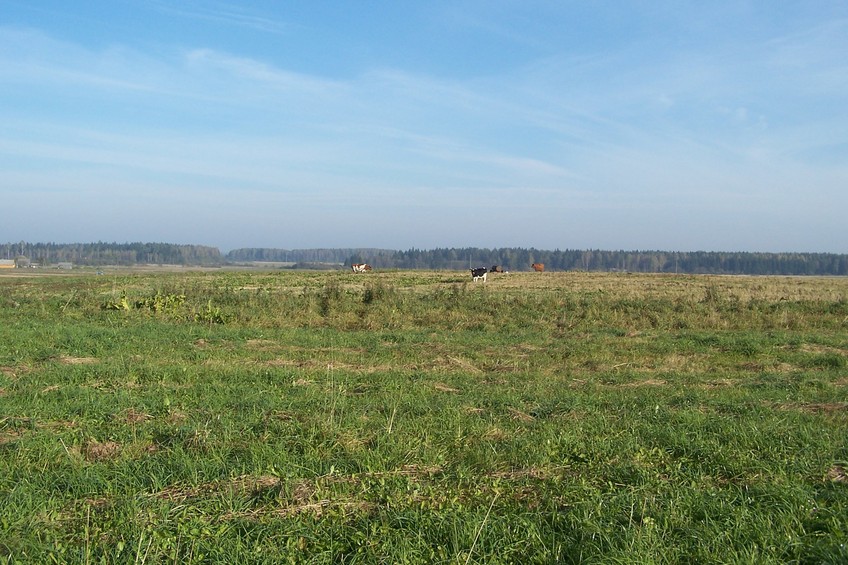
7, 263
64, 265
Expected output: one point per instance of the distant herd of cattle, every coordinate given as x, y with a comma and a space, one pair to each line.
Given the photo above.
476, 274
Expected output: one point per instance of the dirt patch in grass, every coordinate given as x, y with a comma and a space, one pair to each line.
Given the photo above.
637, 384
97, 451
176, 417
837, 474
318, 508
718, 383
278, 416
58, 425
179, 493
521, 416
464, 364
314, 350
323, 365
303, 492
815, 348
345, 494
132, 416
9, 436
301, 500
826, 407
814, 407
434, 358
249, 484
70, 360
441, 387
495, 434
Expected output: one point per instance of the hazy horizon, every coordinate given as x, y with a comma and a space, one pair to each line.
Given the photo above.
225, 251
671, 126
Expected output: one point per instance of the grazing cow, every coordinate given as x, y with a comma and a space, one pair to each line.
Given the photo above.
538, 267
496, 269
479, 273
360, 267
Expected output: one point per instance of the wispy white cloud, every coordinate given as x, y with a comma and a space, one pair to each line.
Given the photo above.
222, 13
260, 76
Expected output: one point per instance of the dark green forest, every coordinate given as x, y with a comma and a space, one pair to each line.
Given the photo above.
102, 254
46, 255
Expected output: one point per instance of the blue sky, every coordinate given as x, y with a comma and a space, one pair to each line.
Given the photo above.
681, 126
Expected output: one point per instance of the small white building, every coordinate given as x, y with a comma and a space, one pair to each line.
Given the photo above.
7, 263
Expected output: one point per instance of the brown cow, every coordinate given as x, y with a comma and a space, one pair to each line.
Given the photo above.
360, 267
538, 267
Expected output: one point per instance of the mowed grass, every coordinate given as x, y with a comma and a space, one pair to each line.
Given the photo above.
406, 417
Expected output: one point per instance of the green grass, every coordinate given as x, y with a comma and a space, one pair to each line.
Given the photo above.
417, 418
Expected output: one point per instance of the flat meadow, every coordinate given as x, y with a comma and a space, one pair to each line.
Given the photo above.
229, 416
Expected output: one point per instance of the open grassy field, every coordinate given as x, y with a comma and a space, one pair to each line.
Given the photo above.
411, 417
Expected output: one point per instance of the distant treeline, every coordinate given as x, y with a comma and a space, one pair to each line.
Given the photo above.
512, 258
126, 254
520, 259
698, 262
339, 256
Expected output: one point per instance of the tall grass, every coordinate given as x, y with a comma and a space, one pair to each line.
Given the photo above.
415, 417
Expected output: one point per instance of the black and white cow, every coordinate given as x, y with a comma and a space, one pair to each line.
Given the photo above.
479, 273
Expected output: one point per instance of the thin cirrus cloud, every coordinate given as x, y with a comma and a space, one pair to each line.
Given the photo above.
258, 90
221, 13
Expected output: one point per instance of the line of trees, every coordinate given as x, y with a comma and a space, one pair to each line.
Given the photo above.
698, 262
511, 258
125, 254
339, 256
520, 259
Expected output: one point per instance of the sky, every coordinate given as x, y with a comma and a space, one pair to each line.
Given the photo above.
554, 124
